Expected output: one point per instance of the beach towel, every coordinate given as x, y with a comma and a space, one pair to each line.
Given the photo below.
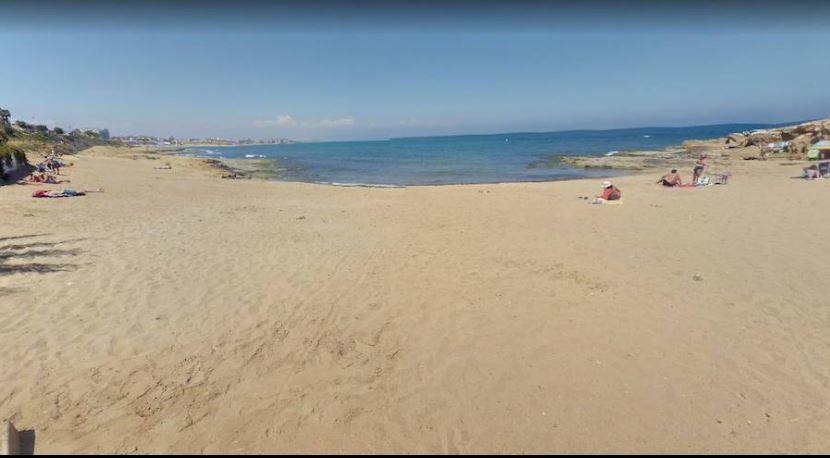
44, 194
703, 181
72, 193
607, 202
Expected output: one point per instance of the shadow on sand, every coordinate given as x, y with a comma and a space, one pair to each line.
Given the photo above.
11, 255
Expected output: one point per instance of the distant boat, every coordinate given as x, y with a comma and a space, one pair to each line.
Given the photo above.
646, 136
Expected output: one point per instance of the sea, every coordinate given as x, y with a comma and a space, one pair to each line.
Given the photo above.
461, 159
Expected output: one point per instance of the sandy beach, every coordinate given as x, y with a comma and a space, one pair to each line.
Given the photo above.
179, 312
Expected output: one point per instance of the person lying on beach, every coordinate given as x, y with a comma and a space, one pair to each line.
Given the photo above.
37, 177
41, 177
45, 193
671, 179
811, 172
609, 192
701, 165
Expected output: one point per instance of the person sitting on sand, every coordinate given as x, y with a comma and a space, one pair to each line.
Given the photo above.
811, 172
37, 177
609, 192
41, 177
671, 179
701, 165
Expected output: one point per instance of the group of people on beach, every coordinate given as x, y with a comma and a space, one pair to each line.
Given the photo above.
673, 179
46, 171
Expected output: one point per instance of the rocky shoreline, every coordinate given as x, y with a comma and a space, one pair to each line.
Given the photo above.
790, 143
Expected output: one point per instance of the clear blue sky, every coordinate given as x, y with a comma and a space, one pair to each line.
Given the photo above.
324, 75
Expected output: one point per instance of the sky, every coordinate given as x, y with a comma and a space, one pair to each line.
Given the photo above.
324, 71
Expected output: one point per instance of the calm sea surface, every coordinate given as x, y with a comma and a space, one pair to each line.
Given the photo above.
461, 159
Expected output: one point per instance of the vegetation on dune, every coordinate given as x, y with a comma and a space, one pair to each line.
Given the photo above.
20, 137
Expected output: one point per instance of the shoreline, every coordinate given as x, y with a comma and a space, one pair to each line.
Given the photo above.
620, 164
177, 312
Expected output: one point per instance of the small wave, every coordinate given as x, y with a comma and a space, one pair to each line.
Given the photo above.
611, 153
362, 185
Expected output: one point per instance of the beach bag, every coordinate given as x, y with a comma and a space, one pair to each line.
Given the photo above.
720, 179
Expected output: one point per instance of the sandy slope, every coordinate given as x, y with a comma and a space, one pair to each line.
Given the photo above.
179, 312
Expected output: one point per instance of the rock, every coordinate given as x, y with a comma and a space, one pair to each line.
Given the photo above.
737, 140
799, 145
764, 138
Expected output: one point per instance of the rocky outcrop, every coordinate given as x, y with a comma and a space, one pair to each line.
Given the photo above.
11, 161
764, 138
737, 140
798, 138
799, 145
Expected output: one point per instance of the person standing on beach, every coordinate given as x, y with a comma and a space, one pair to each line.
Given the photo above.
701, 165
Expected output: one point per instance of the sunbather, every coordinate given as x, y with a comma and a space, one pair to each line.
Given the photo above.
41, 177
609, 193
671, 179
45, 193
811, 172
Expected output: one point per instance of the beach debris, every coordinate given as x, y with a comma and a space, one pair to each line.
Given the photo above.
697, 277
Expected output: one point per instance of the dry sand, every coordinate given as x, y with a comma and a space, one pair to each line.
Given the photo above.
177, 312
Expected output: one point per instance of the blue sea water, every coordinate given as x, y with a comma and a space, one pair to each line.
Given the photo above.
511, 157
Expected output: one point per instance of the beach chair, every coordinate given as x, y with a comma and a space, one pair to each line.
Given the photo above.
720, 178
